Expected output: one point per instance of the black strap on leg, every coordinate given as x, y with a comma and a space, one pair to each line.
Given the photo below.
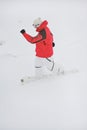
52, 62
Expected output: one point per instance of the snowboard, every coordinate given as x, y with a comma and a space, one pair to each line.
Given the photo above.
29, 79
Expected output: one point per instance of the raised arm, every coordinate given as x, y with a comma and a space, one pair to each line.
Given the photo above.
35, 39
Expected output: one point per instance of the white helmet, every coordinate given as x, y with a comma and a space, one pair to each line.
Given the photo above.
37, 22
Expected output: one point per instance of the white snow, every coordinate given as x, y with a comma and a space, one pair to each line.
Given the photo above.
50, 104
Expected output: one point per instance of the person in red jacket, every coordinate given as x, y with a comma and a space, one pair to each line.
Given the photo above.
44, 46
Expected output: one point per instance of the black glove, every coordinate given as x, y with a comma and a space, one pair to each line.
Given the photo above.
53, 44
22, 31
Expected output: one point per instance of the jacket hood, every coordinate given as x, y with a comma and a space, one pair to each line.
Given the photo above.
42, 26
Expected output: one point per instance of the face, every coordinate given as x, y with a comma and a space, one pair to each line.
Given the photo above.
35, 25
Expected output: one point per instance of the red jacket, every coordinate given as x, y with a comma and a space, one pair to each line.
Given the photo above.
43, 40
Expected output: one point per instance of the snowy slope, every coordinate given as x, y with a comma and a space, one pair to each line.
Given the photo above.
54, 103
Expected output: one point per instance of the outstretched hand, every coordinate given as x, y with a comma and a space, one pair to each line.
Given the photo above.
22, 31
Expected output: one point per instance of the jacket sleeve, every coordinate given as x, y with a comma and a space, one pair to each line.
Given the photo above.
31, 39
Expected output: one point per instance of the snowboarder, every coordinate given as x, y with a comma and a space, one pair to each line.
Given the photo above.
44, 47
